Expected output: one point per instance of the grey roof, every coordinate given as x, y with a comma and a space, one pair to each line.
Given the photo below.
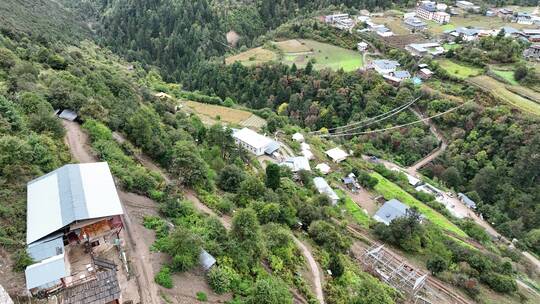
46, 248
46, 273
511, 30
68, 194
386, 64
467, 31
429, 7
402, 74
382, 29
104, 289
467, 201
206, 259
391, 210
297, 163
272, 147
415, 22
68, 115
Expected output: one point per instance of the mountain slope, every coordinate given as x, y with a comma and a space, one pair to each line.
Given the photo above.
41, 17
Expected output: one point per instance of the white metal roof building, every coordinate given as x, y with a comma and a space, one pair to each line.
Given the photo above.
297, 163
71, 193
337, 155
307, 154
46, 273
323, 188
253, 141
206, 260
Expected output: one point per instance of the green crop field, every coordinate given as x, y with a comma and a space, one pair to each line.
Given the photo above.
389, 190
459, 70
472, 21
499, 90
506, 75
300, 52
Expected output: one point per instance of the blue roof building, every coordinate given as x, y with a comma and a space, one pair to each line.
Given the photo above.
467, 201
390, 211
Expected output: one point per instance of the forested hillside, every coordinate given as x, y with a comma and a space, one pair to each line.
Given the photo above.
42, 18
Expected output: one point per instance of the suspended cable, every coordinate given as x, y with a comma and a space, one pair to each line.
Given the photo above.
394, 127
368, 120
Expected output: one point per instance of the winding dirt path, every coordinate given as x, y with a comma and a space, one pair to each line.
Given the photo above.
227, 220
77, 142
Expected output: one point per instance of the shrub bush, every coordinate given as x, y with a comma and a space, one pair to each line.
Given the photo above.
163, 277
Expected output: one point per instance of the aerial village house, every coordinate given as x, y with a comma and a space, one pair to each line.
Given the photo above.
362, 46
383, 31
297, 163
323, 188
428, 11
397, 77
467, 5
390, 211
425, 73
423, 49
533, 52
523, 18
73, 215
467, 201
255, 142
415, 24
337, 155
384, 66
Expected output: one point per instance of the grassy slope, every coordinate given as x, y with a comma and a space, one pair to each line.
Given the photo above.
355, 211
500, 91
459, 70
325, 56
390, 190
43, 17
506, 75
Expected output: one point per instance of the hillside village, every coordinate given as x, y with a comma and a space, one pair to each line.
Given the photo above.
326, 154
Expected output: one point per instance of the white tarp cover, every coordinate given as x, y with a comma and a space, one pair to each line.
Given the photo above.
71, 193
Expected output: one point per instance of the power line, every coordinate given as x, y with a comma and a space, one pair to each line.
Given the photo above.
394, 127
368, 121
397, 111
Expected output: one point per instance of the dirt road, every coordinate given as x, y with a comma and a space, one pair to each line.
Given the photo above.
77, 142
227, 223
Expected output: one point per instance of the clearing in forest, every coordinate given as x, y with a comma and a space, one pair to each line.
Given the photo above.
252, 57
211, 114
518, 96
389, 190
459, 70
300, 52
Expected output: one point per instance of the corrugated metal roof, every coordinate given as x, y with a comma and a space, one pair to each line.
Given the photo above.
46, 273
70, 193
68, 115
272, 147
323, 188
391, 210
206, 259
46, 248
466, 200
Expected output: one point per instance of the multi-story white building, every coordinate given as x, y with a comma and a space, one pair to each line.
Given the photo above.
441, 17
429, 11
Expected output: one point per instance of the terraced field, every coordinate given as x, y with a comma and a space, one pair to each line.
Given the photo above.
211, 114
459, 70
519, 97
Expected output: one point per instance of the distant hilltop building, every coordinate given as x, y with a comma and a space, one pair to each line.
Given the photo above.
415, 24
339, 20
468, 6
422, 49
428, 11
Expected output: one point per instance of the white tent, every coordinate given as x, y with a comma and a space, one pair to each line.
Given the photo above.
337, 155
324, 168
298, 137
